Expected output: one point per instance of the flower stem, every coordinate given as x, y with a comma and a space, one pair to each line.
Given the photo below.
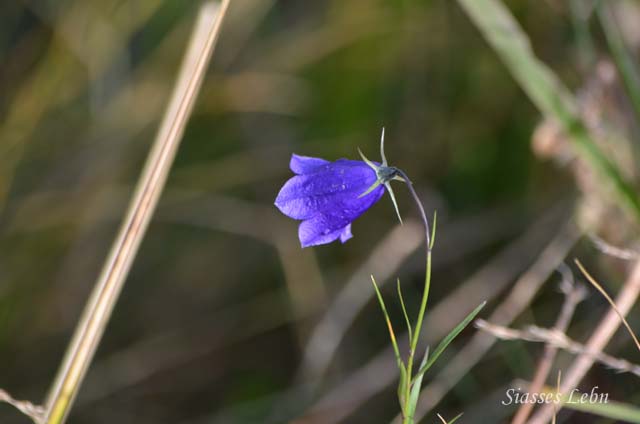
423, 215
423, 305
408, 418
414, 340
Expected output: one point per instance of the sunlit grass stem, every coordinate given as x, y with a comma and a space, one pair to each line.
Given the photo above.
100, 305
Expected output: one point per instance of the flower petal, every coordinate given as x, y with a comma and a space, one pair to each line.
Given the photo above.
292, 202
321, 230
334, 189
346, 234
306, 165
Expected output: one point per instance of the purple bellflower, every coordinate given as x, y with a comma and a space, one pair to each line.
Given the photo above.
329, 196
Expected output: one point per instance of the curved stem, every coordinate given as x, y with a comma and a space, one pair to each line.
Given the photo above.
423, 303
423, 215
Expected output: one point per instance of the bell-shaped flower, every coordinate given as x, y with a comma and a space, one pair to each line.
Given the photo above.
328, 197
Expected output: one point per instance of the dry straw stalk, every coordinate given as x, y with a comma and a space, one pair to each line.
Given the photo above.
98, 310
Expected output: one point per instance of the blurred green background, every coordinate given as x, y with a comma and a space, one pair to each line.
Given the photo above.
224, 319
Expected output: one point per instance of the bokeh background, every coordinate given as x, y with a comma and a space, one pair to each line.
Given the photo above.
224, 319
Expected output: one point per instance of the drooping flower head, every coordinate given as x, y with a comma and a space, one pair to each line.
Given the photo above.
329, 196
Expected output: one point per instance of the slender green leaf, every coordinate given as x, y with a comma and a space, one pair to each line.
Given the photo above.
416, 387
402, 384
546, 91
392, 334
404, 312
402, 388
448, 339
615, 410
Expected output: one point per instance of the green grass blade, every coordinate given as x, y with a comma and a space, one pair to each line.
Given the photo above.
546, 91
402, 384
404, 312
416, 386
402, 388
621, 55
392, 334
448, 339
580, 12
615, 410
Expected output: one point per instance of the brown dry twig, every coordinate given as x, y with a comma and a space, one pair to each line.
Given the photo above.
35, 412
559, 340
573, 294
607, 326
613, 251
597, 285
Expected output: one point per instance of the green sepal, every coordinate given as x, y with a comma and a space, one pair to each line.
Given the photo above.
367, 161
393, 199
370, 189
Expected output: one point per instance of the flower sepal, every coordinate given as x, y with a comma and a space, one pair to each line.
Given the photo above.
385, 175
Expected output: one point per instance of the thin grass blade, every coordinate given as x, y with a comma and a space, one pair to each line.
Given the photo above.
416, 386
392, 334
614, 410
404, 312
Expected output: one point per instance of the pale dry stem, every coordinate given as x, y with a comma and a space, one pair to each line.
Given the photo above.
573, 294
109, 284
608, 325
35, 412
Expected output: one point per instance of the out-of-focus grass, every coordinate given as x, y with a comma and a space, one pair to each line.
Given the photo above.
612, 410
547, 92
220, 304
623, 58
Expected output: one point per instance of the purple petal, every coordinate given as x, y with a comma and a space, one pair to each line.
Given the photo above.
346, 234
306, 165
326, 196
292, 203
319, 230
334, 189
